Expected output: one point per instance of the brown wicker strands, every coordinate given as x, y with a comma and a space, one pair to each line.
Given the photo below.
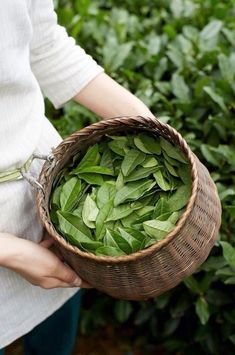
154, 270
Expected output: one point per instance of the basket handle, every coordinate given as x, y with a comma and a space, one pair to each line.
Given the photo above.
31, 180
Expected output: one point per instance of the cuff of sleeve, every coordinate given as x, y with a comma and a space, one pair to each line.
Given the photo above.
72, 86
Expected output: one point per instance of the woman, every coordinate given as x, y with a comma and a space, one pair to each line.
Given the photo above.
39, 297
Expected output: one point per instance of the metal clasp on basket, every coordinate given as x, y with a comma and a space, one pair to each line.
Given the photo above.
31, 180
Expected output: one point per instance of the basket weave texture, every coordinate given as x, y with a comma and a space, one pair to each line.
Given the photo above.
160, 267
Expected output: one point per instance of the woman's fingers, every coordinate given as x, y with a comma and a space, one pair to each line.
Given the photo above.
85, 285
47, 243
47, 240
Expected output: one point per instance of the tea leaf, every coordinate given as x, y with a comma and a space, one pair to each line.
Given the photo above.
92, 157
93, 179
179, 88
106, 160
131, 160
179, 198
89, 212
164, 185
142, 211
171, 169
202, 310
140, 173
95, 169
121, 211
216, 98
149, 162
101, 218
172, 151
133, 242
158, 229
109, 240
184, 172
120, 181
118, 147
74, 227
129, 220
55, 200
147, 144
228, 253
132, 190
69, 192
110, 251
105, 194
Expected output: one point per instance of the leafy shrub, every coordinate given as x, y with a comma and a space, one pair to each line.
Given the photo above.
179, 58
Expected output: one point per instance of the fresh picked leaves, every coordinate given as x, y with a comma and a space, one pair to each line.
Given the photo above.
123, 195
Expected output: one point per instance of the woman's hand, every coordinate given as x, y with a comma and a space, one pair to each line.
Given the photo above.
36, 263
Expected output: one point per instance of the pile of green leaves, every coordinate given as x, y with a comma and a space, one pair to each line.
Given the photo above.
125, 194
179, 58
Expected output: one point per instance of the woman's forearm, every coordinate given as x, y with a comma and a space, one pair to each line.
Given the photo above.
107, 98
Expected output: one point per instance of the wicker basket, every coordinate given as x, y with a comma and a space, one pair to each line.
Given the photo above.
154, 270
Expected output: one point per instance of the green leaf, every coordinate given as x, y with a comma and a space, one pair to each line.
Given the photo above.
140, 173
209, 155
109, 251
179, 88
147, 144
89, 212
230, 281
122, 310
161, 208
91, 158
109, 240
134, 243
122, 243
129, 220
90, 178
202, 310
133, 190
158, 229
95, 169
171, 161
171, 169
225, 67
173, 218
74, 228
90, 247
55, 200
161, 181
120, 181
118, 147
146, 209
192, 284
172, 151
179, 198
105, 194
101, 218
216, 98
106, 160
121, 211
211, 30
184, 172
232, 338
69, 192
228, 253
131, 160
149, 162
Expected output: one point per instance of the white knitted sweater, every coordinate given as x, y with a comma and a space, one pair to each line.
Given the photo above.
35, 54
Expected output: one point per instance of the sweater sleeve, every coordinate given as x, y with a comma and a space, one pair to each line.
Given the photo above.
61, 66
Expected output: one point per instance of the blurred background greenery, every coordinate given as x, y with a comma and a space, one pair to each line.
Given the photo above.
179, 58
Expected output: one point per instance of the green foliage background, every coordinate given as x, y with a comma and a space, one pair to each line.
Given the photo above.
179, 58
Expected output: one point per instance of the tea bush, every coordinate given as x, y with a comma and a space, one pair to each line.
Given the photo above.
179, 58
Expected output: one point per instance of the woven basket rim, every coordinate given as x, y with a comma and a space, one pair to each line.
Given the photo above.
144, 252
